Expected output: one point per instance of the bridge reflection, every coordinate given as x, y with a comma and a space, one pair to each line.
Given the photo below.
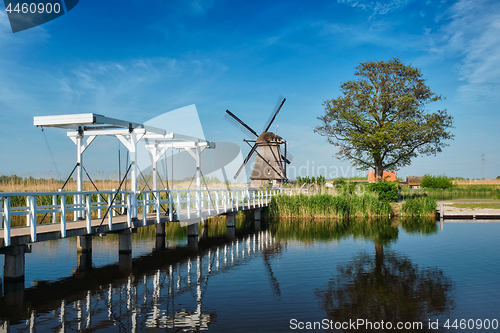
164, 290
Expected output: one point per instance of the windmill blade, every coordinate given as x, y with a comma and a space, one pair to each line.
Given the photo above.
277, 108
238, 123
252, 151
288, 158
250, 164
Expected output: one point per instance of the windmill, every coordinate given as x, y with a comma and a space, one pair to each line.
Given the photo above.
268, 149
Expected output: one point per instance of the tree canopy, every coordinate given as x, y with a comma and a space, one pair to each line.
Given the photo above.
380, 120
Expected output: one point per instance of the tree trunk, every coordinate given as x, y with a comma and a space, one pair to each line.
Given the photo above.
379, 172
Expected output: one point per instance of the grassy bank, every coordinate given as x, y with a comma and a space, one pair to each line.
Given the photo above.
366, 205
457, 191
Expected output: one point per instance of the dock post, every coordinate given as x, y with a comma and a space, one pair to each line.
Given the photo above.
193, 236
83, 261
160, 237
257, 215
84, 243
125, 241
193, 230
231, 225
14, 264
125, 250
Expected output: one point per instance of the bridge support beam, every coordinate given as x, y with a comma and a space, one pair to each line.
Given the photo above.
125, 242
14, 264
160, 237
193, 230
83, 261
231, 219
84, 243
231, 225
257, 213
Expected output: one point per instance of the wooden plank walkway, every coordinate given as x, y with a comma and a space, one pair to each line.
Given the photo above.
449, 213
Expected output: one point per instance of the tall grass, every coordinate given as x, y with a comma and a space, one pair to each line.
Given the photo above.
328, 206
422, 206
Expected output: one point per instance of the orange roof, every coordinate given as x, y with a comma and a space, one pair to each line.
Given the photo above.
387, 175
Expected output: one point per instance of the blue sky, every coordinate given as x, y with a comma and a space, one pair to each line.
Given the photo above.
135, 60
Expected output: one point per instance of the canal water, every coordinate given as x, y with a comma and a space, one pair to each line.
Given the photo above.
274, 278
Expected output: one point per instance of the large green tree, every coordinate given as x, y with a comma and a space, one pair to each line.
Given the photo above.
380, 120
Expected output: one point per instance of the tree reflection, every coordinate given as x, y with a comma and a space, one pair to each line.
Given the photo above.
387, 286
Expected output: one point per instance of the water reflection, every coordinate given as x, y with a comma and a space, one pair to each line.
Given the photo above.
385, 286
163, 290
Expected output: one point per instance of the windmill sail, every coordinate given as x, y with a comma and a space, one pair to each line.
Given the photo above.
239, 124
277, 108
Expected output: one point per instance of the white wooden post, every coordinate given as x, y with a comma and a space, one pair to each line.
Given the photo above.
158, 208
179, 205
88, 202
99, 202
31, 200
189, 204
170, 205
217, 208
144, 208
209, 204
63, 214
225, 200
110, 211
130, 208
54, 207
6, 213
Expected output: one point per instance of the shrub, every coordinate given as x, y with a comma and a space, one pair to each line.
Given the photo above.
387, 191
441, 182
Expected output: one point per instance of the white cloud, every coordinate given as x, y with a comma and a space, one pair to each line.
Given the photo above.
376, 7
138, 83
474, 34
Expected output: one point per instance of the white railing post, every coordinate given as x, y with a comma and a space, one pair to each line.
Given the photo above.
31, 201
130, 203
209, 203
63, 214
217, 208
188, 204
232, 201
144, 208
99, 202
88, 202
179, 205
6, 214
75, 212
225, 200
54, 207
158, 207
198, 203
110, 211
170, 205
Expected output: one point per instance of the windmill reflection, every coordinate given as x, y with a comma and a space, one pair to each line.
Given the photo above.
167, 297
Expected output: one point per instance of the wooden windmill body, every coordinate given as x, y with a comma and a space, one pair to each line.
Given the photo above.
268, 149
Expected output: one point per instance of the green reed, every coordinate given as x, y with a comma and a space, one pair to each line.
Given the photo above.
328, 206
421, 206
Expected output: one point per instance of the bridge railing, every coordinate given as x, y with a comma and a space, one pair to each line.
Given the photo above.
54, 207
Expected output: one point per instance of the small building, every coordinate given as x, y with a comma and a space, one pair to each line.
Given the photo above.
414, 181
390, 176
